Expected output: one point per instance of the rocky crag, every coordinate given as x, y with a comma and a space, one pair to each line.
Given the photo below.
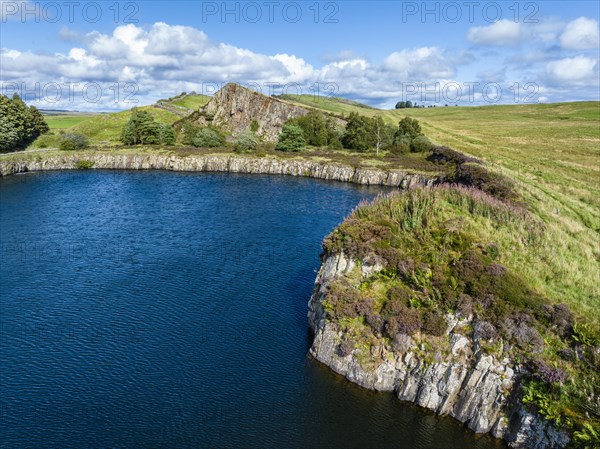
214, 163
234, 108
469, 385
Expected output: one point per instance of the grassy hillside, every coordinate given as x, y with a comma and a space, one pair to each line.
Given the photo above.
106, 128
333, 105
101, 129
552, 152
191, 101
66, 121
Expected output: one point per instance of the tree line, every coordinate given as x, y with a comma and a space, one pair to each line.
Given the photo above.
361, 133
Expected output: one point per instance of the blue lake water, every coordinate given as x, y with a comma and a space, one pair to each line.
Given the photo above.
168, 310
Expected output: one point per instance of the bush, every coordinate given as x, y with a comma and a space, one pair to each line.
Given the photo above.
400, 319
399, 148
73, 142
441, 155
346, 347
246, 141
208, 138
254, 126
291, 138
420, 144
434, 323
484, 330
475, 175
84, 164
546, 373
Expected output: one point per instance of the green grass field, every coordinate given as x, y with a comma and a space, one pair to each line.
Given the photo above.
552, 152
66, 121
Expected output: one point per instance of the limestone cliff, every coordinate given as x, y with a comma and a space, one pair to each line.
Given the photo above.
475, 388
233, 108
212, 163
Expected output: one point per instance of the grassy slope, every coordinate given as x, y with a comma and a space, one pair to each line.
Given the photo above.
106, 128
191, 101
65, 121
552, 152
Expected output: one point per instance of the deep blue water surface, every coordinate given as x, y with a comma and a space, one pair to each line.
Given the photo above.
168, 310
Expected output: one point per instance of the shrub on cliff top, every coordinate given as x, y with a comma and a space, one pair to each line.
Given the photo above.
442, 154
208, 138
475, 175
246, 141
73, 142
420, 144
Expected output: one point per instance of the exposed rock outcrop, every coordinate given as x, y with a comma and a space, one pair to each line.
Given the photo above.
214, 163
233, 108
473, 387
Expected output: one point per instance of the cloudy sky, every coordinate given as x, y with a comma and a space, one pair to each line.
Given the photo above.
112, 55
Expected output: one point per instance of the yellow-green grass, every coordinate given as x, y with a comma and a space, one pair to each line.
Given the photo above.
65, 121
552, 151
191, 101
330, 104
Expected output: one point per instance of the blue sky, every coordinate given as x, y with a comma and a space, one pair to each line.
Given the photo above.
376, 52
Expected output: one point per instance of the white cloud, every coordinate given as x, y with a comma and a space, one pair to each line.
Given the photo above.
501, 33
580, 34
299, 70
420, 63
65, 34
579, 69
163, 60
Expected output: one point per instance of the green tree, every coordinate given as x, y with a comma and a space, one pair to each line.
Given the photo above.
167, 135
189, 132
208, 138
291, 138
384, 134
409, 127
20, 125
141, 129
360, 134
401, 105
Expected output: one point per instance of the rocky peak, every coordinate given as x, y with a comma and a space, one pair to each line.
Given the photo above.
234, 107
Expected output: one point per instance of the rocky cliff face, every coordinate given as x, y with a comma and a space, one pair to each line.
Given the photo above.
215, 163
475, 388
234, 107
